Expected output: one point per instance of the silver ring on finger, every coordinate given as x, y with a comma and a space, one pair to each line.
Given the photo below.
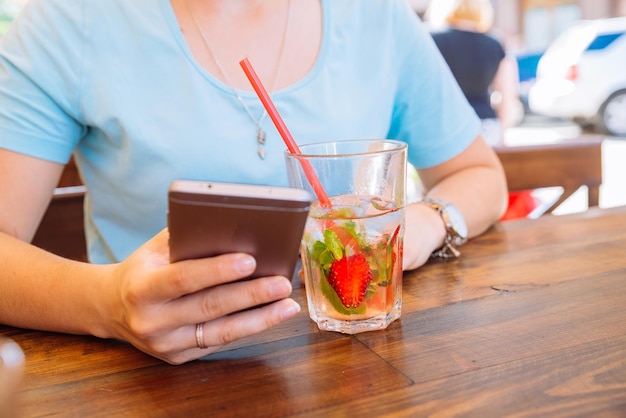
200, 336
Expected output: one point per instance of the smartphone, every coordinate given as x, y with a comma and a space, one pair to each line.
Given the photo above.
212, 218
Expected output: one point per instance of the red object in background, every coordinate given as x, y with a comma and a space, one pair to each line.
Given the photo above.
521, 204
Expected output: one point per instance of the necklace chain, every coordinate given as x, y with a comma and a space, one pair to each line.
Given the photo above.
258, 123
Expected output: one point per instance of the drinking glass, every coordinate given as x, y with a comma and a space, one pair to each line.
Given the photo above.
352, 244
11, 371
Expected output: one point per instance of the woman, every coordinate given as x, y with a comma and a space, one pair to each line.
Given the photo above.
146, 92
488, 78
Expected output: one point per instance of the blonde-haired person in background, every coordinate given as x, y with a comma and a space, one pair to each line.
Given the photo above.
487, 76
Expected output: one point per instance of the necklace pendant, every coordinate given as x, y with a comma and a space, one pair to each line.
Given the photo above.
260, 137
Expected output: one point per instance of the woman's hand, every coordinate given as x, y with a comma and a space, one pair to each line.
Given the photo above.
424, 233
474, 182
156, 306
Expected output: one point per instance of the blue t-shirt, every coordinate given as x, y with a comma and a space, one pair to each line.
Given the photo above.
114, 82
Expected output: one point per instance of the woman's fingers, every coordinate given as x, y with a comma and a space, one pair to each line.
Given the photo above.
157, 304
189, 276
226, 299
214, 302
230, 328
204, 289
164, 281
217, 333
182, 344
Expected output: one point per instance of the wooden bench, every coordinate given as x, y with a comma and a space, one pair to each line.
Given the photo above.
70, 176
570, 164
62, 229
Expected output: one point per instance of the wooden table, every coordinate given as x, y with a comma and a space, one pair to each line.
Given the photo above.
531, 321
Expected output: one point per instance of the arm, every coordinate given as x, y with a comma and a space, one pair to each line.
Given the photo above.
474, 182
26, 187
144, 300
505, 85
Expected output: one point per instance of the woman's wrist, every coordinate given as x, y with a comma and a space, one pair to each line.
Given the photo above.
435, 232
455, 226
100, 305
425, 232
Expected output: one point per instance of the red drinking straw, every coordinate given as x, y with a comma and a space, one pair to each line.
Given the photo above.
283, 131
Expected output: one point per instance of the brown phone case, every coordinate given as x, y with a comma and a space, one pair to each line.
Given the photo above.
209, 218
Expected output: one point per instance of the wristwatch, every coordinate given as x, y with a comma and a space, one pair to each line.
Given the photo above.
456, 228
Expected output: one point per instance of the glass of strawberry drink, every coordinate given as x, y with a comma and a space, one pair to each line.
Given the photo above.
352, 245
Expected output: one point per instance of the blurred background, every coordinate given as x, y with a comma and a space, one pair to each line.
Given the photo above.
531, 25
571, 61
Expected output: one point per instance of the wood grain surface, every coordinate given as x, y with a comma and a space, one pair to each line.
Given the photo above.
530, 321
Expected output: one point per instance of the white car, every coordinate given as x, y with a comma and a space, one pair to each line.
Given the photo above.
582, 76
